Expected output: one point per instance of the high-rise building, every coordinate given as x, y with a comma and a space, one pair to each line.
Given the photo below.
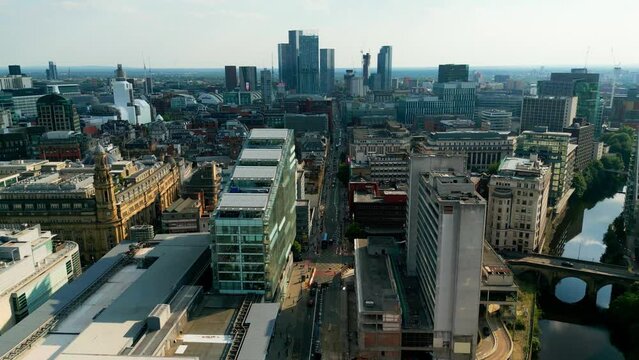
230, 77
253, 226
556, 151
287, 54
248, 78
308, 62
499, 120
452, 72
15, 82
52, 71
366, 63
582, 134
583, 85
136, 111
520, 186
57, 113
449, 241
15, 70
327, 70
554, 112
385, 67
266, 85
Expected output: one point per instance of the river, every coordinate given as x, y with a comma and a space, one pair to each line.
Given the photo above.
579, 236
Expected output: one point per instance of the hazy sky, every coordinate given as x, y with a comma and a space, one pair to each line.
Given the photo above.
212, 33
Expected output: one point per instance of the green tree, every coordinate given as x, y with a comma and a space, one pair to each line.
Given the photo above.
620, 142
493, 168
615, 241
297, 250
624, 320
580, 185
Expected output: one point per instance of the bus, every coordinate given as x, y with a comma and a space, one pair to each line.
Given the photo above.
324, 240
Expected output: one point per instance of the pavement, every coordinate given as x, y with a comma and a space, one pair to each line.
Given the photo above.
498, 345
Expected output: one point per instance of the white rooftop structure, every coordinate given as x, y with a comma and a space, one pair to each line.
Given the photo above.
254, 172
243, 201
268, 134
261, 154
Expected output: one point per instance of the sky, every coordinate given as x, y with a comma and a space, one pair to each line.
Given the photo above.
214, 33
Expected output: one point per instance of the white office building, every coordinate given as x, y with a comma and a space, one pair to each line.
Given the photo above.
135, 111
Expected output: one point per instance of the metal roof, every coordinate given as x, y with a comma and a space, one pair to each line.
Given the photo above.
269, 134
261, 321
261, 154
254, 172
242, 201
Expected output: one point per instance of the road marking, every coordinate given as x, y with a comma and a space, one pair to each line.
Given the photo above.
181, 349
209, 339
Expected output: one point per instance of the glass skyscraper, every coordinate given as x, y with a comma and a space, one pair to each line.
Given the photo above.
385, 67
327, 70
299, 62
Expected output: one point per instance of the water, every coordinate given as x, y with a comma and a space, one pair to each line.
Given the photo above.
582, 232
563, 341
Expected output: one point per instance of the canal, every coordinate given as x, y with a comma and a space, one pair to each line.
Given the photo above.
579, 236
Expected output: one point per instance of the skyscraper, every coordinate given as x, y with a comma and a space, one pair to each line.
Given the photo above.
248, 78
52, 71
253, 226
287, 54
15, 70
308, 61
366, 63
327, 70
452, 72
266, 86
554, 112
385, 67
583, 85
230, 77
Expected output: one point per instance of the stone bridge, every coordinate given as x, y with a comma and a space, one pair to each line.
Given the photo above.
552, 269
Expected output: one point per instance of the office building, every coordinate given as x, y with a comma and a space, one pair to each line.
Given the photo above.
375, 209
33, 266
13, 82
480, 148
583, 135
327, 70
370, 141
517, 202
6, 119
15, 70
253, 226
553, 112
583, 85
385, 68
266, 86
366, 63
287, 54
57, 113
486, 100
452, 72
554, 150
185, 215
52, 71
248, 78
449, 240
308, 65
87, 206
230, 77
135, 111
498, 120
64, 89
456, 98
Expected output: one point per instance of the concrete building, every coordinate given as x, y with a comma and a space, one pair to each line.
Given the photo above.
230, 77
327, 71
449, 246
205, 180
248, 78
23, 102
304, 123
452, 72
375, 209
555, 150
368, 141
253, 226
135, 111
456, 98
88, 206
141, 233
12, 82
56, 113
266, 86
583, 135
554, 112
481, 148
185, 215
517, 203
487, 100
33, 266
64, 89
499, 120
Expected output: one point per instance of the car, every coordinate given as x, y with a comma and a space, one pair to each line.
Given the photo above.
485, 331
567, 264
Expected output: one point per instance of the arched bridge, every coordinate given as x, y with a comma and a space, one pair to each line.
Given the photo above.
552, 269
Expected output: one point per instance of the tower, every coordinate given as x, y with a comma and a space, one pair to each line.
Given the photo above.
104, 187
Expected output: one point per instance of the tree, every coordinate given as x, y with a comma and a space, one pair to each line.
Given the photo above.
580, 185
493, 168
297, 250
615, 241
624, 319
353, 231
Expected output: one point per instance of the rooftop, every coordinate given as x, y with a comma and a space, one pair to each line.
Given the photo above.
376, 289
261, 154
255, 172
243, 201
261, 320
269, 134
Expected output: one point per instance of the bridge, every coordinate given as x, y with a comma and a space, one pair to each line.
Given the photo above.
553, 269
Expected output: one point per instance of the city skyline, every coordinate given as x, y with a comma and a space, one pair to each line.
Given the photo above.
144, 29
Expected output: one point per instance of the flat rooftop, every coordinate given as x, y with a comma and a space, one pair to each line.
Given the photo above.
256, 134
376, 290
243, 201
261, 154
255, 172
261, 321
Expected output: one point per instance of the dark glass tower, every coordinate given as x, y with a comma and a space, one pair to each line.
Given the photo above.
327, 70
385, 67
230, 77
452, 72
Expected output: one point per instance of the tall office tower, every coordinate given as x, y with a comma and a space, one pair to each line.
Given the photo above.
583, 134
327, 70
253, 226
135, 111
366, 63
15, 70
450, 240
56, 113
348, 78
230, 77
452, 72
583, 85
420, 164
52, 71
385, 67
287, 54
308, 62
556, 151
457, 98
499, 120
248, 78
554, 112
521, 186
266, 86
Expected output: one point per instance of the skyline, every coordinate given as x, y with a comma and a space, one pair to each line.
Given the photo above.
214, 33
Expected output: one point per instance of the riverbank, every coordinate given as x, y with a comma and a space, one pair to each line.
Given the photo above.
525, 331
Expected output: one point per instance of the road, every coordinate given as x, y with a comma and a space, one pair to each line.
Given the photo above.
576, 265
